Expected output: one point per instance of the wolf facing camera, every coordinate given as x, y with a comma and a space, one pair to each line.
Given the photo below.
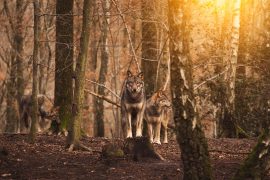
157, 109
133, 103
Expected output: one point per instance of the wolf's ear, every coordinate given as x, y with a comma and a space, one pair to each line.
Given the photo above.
140, 75
129, 73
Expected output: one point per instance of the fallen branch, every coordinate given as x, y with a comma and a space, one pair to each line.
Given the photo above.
102, 97
227, 152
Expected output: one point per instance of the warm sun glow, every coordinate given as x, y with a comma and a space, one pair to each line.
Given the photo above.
217, 3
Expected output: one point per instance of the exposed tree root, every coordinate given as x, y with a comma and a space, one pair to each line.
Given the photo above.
78, 146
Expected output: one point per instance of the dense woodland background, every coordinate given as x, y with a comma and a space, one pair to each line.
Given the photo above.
215, 53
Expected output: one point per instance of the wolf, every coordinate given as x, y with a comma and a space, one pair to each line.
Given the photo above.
133, 101
46, 111
156, 112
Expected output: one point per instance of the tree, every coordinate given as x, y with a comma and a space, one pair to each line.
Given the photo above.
193, 145
228, 122
74, 131
15, 85
257, 164
149, 45
163, 75
99, 105
34, 100
19, 40
64, 60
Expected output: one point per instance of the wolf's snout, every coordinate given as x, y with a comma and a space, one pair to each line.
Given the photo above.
134, 90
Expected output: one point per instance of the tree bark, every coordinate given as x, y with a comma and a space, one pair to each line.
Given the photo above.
74, 131
12, 104
34, 101
228, 123
93, 65
99, 119
191, 139
257, 165
241, 102
64, 60
19, 41
149, 46
218, 91
15, 84
163, 72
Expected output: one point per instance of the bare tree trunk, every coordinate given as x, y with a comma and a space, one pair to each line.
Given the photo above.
116, 68
42, 67
223, 46
15, 83
74, 131
191, 139
19, 40
163, 53
228, 122
241, 102
93, 65
64, 60
48, 23
99, 119
34, 100
149, 46
12, 104
244, 32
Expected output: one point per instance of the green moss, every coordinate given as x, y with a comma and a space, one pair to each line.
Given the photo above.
112, 151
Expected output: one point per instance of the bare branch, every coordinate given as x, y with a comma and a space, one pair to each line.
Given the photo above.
210, 79
9, 16
128, 33
102, 85
102, 97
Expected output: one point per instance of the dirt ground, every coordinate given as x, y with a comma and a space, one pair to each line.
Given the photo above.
48, 159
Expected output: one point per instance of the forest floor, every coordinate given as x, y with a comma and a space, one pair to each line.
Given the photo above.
48, 159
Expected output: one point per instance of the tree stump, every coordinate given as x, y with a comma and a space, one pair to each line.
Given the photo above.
140, 147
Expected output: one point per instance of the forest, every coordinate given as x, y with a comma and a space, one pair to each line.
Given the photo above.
135, 89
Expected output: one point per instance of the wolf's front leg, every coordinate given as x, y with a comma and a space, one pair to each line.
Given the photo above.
165, 134
157, 133
129, 130
150, 131
139, 124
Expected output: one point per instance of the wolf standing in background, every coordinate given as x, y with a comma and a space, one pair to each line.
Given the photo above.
46, 111
133, 103
157, 107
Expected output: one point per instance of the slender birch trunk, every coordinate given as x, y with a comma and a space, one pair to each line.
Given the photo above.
228, 121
